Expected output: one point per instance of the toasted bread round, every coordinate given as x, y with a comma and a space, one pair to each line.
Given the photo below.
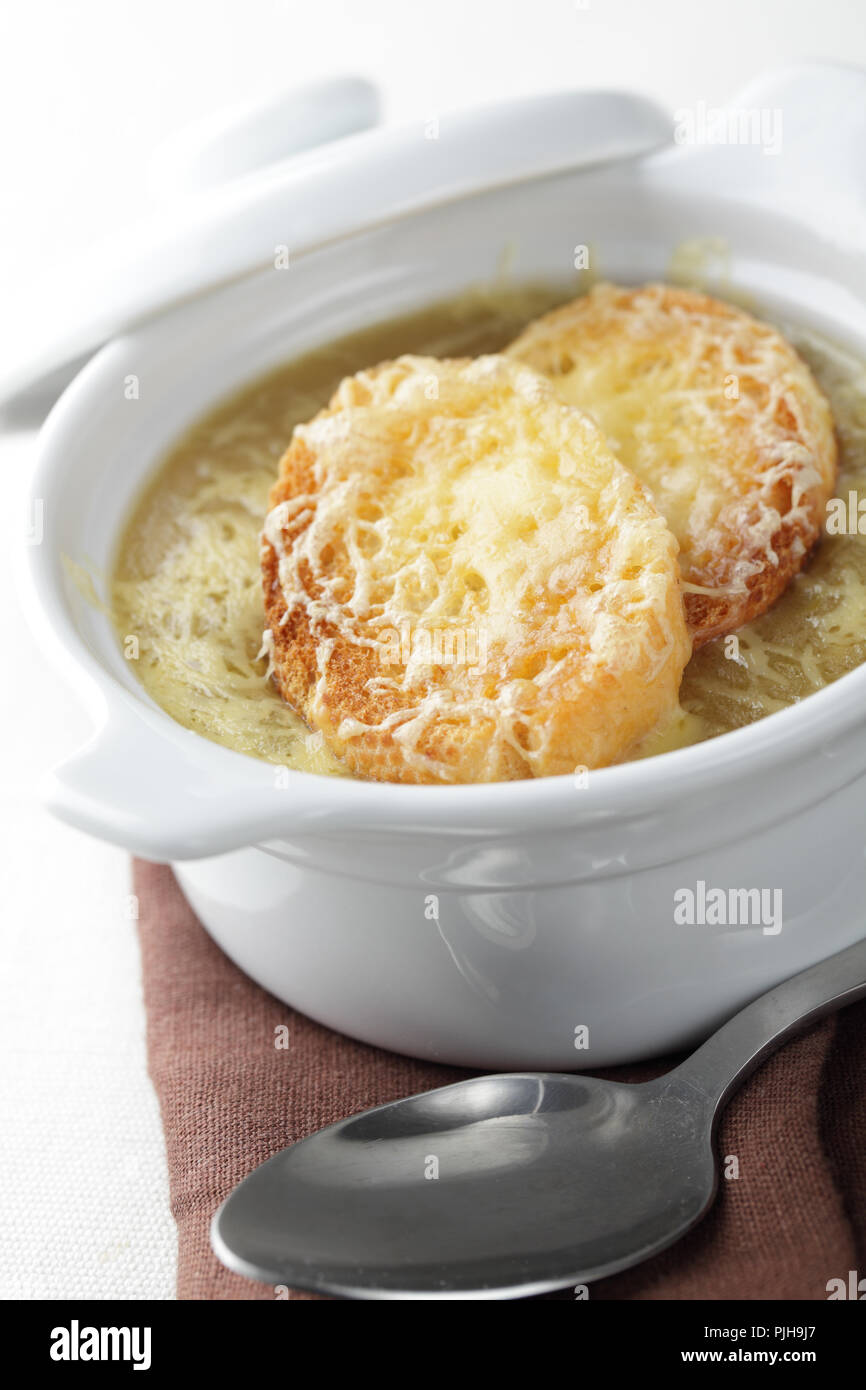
721, 419
461, 582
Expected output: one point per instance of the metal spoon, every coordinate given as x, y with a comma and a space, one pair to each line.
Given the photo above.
511, 1185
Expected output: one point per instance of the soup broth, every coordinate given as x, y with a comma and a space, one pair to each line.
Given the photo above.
187, 584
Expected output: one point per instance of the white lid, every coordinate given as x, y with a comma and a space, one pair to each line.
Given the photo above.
235, 190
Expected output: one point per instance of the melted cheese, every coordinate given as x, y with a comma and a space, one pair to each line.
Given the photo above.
708, 406
462, 496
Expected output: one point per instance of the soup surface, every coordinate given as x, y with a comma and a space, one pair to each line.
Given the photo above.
187, 585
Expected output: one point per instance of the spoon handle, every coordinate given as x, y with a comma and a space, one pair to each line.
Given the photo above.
741, 1045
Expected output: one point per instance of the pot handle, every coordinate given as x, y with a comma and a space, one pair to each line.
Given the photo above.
201, 161
239, 141
792, 140
234, 229
154, 788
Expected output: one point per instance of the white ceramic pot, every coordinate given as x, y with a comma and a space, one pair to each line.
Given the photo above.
479, 925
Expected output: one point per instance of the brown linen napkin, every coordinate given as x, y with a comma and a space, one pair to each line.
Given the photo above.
794, 1219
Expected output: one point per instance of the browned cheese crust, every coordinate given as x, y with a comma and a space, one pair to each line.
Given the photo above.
722, 420
462, 497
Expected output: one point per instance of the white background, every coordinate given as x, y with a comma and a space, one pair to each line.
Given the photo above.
87, 91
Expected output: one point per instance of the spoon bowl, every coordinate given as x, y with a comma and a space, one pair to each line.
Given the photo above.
491, 1187
511, 1185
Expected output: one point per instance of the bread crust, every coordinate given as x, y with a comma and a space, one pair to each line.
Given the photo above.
483, 502
721, 419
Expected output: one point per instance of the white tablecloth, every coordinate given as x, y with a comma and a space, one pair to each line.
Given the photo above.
83, 1180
